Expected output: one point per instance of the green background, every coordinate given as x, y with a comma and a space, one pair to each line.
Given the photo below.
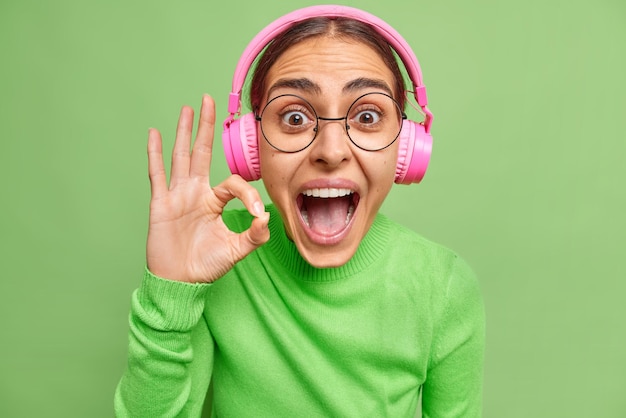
526, 182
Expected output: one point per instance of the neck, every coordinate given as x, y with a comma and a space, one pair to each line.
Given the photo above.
285, 252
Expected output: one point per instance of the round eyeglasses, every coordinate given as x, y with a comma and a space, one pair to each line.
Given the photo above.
290, 124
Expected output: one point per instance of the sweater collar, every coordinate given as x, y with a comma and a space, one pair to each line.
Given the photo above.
285, 253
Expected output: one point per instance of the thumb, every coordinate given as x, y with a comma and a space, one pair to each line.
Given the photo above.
257, 235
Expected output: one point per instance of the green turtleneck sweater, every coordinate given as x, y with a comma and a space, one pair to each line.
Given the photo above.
281, 338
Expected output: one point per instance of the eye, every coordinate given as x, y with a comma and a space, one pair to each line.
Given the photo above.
295, 118
367, 117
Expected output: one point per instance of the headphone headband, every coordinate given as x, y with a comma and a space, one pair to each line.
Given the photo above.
263, 38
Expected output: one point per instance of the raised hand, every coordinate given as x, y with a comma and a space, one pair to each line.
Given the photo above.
187, 239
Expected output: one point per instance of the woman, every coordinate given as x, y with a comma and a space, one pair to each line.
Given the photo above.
315, 305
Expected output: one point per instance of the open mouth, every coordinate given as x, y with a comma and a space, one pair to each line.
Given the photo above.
327, 212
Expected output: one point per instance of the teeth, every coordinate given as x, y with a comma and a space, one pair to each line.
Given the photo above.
350, 212
328, 192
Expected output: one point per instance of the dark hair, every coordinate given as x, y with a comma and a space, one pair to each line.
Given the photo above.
324, 26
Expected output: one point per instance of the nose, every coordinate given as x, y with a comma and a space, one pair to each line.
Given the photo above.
331, 146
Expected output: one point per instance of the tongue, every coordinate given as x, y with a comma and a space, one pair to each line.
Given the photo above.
327, 216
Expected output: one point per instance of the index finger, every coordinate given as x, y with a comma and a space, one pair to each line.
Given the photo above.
156, 170
203, 146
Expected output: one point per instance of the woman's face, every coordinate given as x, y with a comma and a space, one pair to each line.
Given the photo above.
330, 74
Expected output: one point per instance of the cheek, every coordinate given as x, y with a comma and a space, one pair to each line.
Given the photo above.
381, 168
267, 161
276, 170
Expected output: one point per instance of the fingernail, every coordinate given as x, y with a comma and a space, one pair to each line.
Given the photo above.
267, 222
259, 208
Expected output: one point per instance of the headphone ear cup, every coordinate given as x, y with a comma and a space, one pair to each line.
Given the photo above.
415, 147
241, 147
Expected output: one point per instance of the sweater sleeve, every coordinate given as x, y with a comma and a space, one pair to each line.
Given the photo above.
453, 386
170, 351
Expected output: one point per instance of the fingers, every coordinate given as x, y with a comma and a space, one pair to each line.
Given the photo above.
255, 236
236, 187
181, 153
156, 170
258, 233
203, 146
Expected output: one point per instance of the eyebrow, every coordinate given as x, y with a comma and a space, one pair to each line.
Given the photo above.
362, 83
302, 84
308, 86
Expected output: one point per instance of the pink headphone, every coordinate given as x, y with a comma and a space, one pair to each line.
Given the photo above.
240, 136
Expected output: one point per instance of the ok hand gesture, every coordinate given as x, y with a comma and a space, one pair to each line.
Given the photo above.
187, 238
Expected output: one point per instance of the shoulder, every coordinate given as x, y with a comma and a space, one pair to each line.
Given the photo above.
434, 268
413, 250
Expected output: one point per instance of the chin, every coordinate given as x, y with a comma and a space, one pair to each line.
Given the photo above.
327, 257
327, 251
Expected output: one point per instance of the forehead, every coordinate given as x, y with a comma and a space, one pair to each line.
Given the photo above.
326, 65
